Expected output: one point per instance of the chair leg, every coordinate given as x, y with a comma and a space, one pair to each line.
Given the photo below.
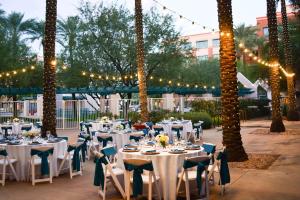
4, 172
13, 170
116, 181
206, 185
156, 186
51, 168
179, 182
70, 167
62, 164
104, 188
150, 186
127, 184
32, 171
187, 186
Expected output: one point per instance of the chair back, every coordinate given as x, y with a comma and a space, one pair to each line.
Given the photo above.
76, 156
26, 128
137, 166
3, 152
209, 148
109, 151
224, 169
43, 153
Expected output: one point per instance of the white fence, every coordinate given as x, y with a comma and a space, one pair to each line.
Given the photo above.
69, 113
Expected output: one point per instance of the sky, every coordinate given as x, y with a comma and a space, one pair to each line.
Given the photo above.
203, 12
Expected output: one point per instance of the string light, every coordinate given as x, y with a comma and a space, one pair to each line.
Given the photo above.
265, 63
175, 13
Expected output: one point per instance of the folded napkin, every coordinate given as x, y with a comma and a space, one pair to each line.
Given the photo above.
14, 142
150, 151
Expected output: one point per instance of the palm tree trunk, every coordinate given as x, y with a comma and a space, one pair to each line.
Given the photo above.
49, 85
277, 124
292, 113
229, 98
140, 60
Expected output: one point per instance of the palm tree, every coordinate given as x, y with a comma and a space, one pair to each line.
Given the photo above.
49, 85
277, 124
140, 60
229, 99
292, 114
37, 32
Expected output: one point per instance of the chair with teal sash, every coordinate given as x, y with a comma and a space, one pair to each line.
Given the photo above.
72, 156
220, 167
157, 129
5, 129
41, 156
138, 166
198, 130
104, 138
177, 129
4, 163
199, 175
87, 127
26, 128
104, 171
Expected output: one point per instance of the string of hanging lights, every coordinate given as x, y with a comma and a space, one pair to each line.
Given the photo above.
15, 72
161, 80
263, 62
193, 22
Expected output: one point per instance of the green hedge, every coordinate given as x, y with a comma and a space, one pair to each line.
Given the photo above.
199, 116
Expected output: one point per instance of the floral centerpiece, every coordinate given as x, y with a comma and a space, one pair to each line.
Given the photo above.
31, 134
119, 127
172, 119
104, 119
16, 120
162, 140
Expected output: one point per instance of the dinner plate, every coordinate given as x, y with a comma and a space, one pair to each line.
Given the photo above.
177, 152
150, 152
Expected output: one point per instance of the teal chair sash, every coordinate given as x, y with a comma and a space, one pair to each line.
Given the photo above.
200, 168
99, 173
88, 126
81, 126
158, 130
177, 130
135, 138
25, 128
210, 149
3, 152
197, 127
86, 138
224, 169
104, 141
137, 176
76, 156
44, 156
5, 129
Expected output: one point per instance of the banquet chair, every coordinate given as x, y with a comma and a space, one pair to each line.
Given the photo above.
104, 138
105, 171
26, 128
220, 166
200, 174
210, 148
157, 129
72, 157
6, 129
136, 136
137, 166
178, 129
4, 162
198, 130
41, 156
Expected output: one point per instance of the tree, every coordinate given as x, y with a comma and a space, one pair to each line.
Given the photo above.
277, 124
229, 86
292, 114
49, 84
140, 60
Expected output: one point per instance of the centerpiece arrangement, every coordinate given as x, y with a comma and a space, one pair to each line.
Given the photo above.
172, 119
162, 140
31, 134
16, 120
119, 127
104, 119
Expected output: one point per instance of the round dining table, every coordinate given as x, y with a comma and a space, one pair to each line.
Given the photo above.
21, 152
16, 127
166, 165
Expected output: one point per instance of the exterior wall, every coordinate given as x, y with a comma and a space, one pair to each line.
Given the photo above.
262, 22
210, 51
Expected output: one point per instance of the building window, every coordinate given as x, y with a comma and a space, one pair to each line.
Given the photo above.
187, 46
202, 44
216, 42
266, 31
201, 58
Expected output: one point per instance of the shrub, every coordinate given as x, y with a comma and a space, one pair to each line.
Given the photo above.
199, 116
212, 107
260, 111
134, 117
157, 116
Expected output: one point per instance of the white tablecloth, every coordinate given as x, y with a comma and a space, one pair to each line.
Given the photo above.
187, 127
22, 154
166, 166
16, 127
96, 126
